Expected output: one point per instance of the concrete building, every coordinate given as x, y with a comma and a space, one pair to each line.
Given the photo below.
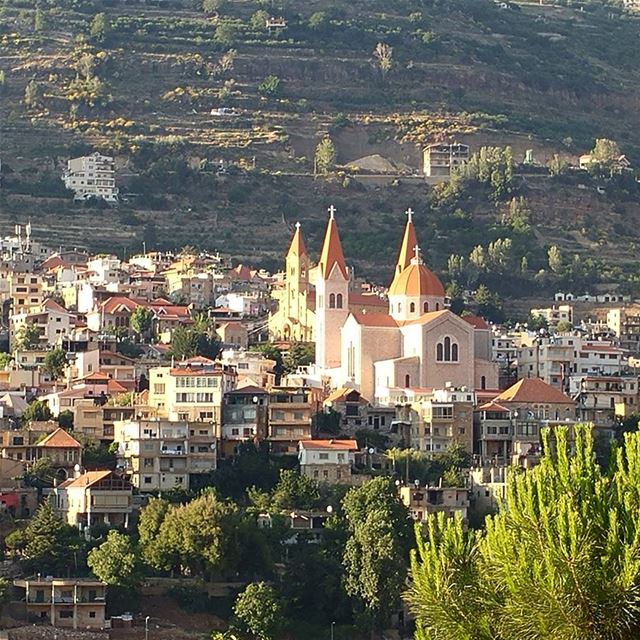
94, 497
91, 176
557, 358
625, 324
329, 461
487, 488
244, 417
291, 411
554, 314
440, 158
72, 603
191, 390
158, 455
423, 501
251, 367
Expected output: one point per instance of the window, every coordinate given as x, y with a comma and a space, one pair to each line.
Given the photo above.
332, 301
66, 614
407, 380
483, 382
412, 307
92, 614
447, 350
339, 301
147, 479
425, 307
323, 456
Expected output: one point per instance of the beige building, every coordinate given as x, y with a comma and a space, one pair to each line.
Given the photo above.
91, 176
26, 291
94, 497
158, 455
554, 314
329, 461
72, 603
625, 324
423, 501
191, 390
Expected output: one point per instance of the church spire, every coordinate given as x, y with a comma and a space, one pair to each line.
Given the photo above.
297, 244
332, 249
409, 242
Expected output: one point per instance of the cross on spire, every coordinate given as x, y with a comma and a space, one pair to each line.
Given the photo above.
409, 214
298, 225
332, 212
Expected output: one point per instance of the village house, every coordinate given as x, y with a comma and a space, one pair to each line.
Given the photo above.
329, 461
94, 497
73, 603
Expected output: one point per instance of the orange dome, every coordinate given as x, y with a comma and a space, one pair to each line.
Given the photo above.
415, 281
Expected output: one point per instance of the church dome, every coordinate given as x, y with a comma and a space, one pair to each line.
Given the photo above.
416, 281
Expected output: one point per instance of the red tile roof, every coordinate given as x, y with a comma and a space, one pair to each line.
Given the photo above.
367, 300
476, 321
59, 439
374, 319
338, 445
530, 390
86, 479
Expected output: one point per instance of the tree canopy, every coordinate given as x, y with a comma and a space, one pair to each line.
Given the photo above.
115, 561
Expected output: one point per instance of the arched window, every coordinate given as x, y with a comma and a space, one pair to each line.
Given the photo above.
339, 301
425, 307
437, 306
332, 301
447, 350
399, 307
412, 307
483, 382
407, 381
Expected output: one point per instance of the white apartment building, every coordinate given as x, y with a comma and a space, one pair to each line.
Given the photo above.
555, 314
158, 455
250, 366
557, 358
91, 176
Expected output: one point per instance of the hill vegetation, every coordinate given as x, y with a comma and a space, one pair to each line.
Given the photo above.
139, 80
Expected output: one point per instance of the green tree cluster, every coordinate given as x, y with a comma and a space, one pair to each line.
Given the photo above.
187, 342
199, 537
376, 550
560, 560
259, 611
325, 156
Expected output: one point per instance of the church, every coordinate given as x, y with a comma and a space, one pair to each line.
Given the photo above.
410, 341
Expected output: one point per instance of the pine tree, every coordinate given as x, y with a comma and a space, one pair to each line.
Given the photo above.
325, 157
559, 561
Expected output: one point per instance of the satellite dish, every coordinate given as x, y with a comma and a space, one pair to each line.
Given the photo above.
212, 446
372, 450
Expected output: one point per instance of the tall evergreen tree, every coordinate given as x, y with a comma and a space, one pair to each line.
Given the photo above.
560, 561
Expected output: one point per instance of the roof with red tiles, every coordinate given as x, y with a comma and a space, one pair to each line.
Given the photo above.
530, 390
59, 439
337, 445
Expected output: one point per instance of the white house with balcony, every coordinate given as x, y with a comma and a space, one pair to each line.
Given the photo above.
328, 461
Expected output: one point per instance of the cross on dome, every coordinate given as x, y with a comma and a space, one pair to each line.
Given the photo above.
332, 212
409, 213
416, 255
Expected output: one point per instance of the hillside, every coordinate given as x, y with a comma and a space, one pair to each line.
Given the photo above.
141, 83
